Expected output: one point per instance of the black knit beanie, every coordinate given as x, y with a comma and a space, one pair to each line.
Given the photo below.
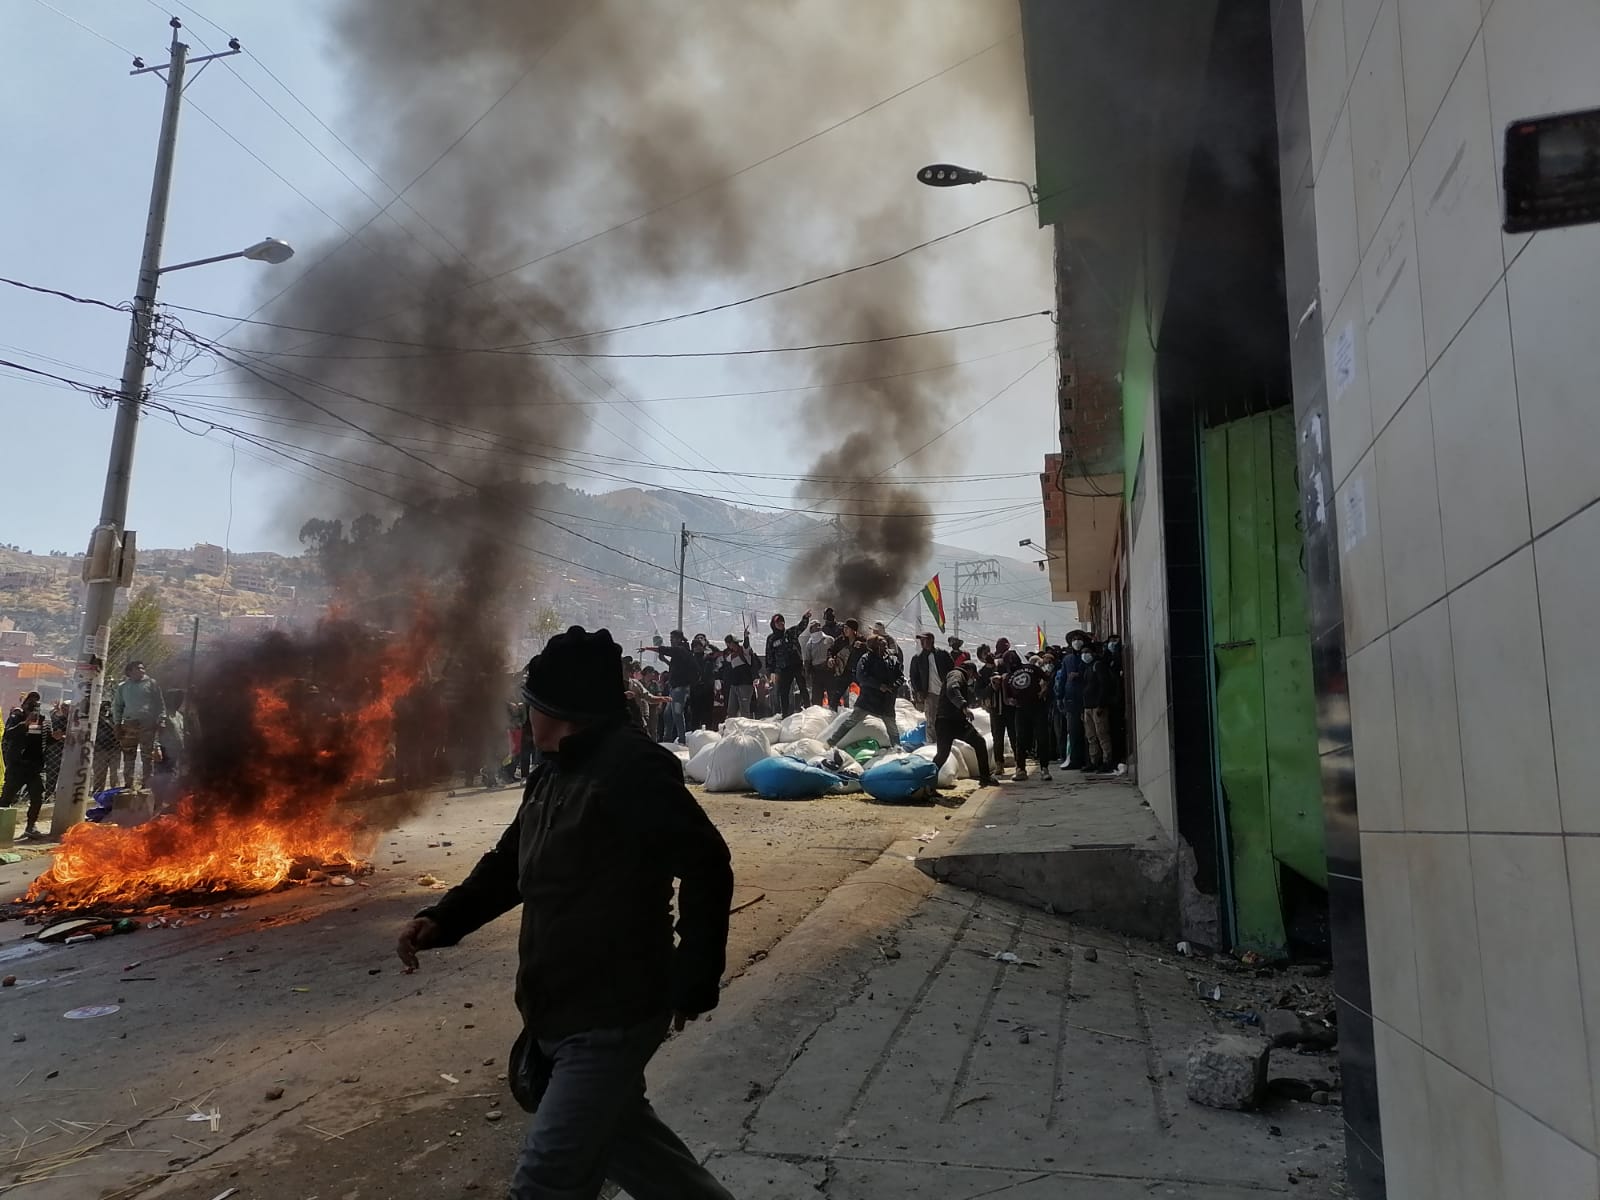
577, 677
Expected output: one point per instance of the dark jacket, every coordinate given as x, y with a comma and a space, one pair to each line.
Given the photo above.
783, 648
874, 674
24, 746
739, 672
957, 698
605, 826
1102, 686
1024, 686
942, 662
682, 670
1069, 684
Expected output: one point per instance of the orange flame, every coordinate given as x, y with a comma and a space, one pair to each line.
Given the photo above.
304, 760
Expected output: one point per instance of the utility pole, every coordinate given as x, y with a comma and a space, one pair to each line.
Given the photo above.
975, 570
683, 554
109, 563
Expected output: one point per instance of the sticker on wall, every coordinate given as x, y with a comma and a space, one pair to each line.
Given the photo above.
1353, 518
1344, 359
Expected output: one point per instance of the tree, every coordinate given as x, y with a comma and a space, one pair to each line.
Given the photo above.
137, 633
545, 624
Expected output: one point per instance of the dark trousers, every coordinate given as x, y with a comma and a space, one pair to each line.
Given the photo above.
591, 1122
791, 677
1032, 736
948, 730
1003, 721
824, 687
27, 777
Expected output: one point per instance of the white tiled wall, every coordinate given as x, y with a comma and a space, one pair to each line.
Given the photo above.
1466, 450
1147, 635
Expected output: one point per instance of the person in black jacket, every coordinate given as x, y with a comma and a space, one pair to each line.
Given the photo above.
929, 667
605, 826
879, 678
785, 663
23, 744
681, 673
1102, 691
954, 720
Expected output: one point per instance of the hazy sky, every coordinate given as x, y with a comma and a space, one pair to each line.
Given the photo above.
79, 150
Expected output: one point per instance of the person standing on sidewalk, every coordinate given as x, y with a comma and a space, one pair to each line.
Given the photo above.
1029, 717
953, 721
929, 667
137, 710
1101, 689
23, 745
1002, 710
605, 826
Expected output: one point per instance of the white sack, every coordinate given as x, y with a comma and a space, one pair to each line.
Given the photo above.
872, 727
807, 723
694, 770
981, 722
698, 739
730, 759
805, 749
767, 731
947, 773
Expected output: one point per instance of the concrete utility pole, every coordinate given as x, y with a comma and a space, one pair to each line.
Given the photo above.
109, 563
683, 553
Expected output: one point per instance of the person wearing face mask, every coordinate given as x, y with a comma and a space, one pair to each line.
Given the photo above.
26, 732
1068, 689
1118, 709
1101, 690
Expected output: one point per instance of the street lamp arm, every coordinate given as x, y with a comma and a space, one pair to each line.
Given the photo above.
199, 262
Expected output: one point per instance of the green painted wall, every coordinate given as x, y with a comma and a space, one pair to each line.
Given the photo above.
1266, 707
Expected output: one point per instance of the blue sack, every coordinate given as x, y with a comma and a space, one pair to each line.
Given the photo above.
781, 778
915, 739
901, 779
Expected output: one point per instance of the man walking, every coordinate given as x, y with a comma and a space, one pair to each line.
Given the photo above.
605, 826
880, 679
927, 675
954, 720
784, 664
137, 711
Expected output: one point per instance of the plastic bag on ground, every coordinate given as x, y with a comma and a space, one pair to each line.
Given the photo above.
807, 723
698, 739
730, 758
780, 778
916, 736
901, 779
805, 749
698, 764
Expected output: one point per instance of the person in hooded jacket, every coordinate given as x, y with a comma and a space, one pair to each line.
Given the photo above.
1102, 689
1003, 710
682, 671
27, 729
786, 662
879, 678
953, 722
605, 826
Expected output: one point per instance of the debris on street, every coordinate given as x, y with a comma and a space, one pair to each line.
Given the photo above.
1228, 1070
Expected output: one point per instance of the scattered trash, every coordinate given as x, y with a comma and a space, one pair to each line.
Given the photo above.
1319, 1097
341, 881
448, 1078
212, 1118
78, 939
131, 966
1007, 956
1091, 955
1022, 1037
226, 1194
275, 1093
1228, 1071
432, 882
90, 1011
1248, 1017
927, 835
300, 989
10, 857
19, 1037
60, 931
1214, 992
1185, 949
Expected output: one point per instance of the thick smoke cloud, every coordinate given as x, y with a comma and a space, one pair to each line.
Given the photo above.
561, 118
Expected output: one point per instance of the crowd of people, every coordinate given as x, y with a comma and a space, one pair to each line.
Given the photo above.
138, 738
1060, 706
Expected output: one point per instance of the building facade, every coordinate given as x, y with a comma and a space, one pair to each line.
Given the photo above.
1356, 527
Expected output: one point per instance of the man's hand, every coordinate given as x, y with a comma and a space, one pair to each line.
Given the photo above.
680, 1019
420, 933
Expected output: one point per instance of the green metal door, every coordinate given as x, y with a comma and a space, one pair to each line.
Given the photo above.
1265, 717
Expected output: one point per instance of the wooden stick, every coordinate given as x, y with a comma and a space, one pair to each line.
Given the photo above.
747, 903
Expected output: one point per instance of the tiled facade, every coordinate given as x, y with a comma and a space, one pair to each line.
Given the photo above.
1460, 395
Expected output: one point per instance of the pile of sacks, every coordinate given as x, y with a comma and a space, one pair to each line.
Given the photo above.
789, 758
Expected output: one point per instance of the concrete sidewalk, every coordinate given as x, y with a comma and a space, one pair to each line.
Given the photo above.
883, 1051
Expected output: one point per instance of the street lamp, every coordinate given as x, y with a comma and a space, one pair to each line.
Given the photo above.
949, 175
268, 250
1029, 543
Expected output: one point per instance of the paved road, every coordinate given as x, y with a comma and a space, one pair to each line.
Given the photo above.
300, 991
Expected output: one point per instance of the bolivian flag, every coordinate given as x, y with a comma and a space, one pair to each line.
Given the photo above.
935, 601
1039, 631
